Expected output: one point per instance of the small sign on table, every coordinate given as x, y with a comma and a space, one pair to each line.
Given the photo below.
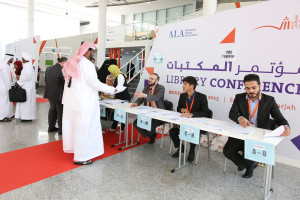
189, 133
260, 151
144, 122
120, 115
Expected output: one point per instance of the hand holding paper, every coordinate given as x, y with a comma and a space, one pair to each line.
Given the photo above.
120, 88
276, 133
287, 131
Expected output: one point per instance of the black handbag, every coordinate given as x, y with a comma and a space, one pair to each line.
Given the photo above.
17, 94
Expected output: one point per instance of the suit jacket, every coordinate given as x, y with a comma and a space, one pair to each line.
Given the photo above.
54, 83
200, 105
158, 96
267, 106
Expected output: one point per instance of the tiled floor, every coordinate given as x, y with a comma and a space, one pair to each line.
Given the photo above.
141, 173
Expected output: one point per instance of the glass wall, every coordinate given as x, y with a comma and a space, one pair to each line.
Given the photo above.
149, 20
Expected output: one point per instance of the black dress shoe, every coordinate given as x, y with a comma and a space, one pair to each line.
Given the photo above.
53, 130
152, 139
25, 120
240, 169
191, 155
249, 170
176, 154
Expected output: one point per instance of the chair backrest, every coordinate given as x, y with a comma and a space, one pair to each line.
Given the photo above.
272, 124
168, 105
210, 113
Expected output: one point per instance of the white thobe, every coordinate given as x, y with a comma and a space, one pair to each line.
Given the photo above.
27, 110
81, 128
5, 84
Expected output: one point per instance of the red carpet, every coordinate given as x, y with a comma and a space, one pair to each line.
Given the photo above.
41, 100
38, 100
25, 166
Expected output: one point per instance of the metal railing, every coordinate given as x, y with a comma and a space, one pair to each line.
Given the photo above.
140, 62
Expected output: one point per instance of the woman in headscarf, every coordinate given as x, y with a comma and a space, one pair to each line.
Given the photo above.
18, 66
120, 80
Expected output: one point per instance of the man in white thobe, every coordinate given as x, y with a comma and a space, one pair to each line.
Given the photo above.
81, 128
26, 111
5, 84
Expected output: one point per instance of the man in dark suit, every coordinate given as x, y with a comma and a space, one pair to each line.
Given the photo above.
190, 104
54, 90
152, 95
261, 107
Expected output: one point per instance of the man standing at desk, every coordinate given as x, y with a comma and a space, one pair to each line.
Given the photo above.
190, 104
252, 108
152, 95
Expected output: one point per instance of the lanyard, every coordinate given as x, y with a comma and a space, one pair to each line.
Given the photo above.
187, 107
251, 116
152, 94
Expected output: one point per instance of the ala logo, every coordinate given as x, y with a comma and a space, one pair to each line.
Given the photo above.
182, 33
286, 24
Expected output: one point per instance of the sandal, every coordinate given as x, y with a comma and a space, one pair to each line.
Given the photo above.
6, 120
83, 162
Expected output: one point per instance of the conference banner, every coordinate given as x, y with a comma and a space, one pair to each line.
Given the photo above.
219, 50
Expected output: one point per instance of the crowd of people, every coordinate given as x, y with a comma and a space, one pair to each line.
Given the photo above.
73, 86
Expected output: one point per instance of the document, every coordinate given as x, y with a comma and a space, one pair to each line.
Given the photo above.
113, 101
239, 129
277, 132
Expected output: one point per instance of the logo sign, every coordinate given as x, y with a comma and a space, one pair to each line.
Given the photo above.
228, 54
144, 122
180, 33
286, 24
158, 58
102, 111
189, 133
120, 115
260, 151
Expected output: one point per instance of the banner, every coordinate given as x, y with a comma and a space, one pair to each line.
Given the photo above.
219, 50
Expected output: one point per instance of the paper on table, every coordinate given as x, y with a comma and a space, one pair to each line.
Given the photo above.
220, 124
113, 101
277, 132
240, 129
120, 88
197, 120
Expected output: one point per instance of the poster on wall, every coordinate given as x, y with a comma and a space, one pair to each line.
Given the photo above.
219, 50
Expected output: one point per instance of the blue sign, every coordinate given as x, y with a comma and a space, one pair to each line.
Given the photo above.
120, 115
260, 151
102, 111
144, 122
189, 133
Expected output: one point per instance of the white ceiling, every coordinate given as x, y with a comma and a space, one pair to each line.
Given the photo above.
77, 9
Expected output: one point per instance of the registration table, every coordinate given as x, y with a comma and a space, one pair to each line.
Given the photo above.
257, 147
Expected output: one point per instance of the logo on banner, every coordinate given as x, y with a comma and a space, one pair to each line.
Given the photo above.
182, 33
286, 24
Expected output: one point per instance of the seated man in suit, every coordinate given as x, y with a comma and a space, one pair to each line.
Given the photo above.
261, 107
152, 95
190, 104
